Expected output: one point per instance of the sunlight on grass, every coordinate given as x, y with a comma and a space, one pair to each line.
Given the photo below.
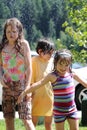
19, 126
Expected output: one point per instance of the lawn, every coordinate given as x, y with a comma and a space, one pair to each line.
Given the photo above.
20, 126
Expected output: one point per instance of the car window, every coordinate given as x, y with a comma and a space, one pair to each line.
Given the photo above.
33, 53
77, 65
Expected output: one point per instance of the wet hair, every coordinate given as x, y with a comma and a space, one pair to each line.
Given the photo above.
45, 46
62, 55
12, 22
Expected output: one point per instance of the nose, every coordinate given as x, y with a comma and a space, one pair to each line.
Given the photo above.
11, 34
64, 68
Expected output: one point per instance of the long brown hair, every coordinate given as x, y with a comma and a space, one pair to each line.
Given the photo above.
18, 24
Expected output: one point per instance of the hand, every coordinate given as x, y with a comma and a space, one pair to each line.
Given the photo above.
3, 83
20, 98
28, 97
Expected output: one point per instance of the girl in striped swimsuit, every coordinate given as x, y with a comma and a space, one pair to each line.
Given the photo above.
63, 88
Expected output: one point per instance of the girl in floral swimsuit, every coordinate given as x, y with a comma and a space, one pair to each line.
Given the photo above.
63, 88
15, 73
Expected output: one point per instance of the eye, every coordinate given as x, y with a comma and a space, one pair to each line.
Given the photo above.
8, 31
14, 31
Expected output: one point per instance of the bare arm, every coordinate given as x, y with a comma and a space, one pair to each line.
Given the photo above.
1, 73
0, 66
38, 84
28, 67
1, 77
80, 80
35, 86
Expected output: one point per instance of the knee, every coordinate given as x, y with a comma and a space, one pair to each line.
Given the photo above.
48, 120
9, 120
27, 122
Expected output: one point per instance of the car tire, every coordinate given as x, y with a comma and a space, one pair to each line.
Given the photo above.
80, 93
84, 112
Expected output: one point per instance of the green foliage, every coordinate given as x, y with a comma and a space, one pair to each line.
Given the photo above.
76, 26
65, 22
78, 16
51, 29
19, 126
58, 14
28, 16
41, 18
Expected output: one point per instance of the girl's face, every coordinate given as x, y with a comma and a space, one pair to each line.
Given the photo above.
63, 66
11, 34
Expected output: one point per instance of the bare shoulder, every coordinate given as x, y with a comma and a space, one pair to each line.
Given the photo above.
25, 42
25, 45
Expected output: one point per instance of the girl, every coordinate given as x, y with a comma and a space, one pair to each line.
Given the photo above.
15, 73
63, 87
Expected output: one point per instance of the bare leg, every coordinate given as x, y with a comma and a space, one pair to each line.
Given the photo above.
59, 126
48, 122
28, 124
74, 125
35, 120
9, 123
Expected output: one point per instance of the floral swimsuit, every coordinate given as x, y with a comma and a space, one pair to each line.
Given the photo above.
14, 77
13, 66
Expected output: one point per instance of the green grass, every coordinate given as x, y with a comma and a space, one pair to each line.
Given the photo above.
19, 126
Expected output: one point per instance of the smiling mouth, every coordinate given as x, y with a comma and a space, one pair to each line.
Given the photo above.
62, 71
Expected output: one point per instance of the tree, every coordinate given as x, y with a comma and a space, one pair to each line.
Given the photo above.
28, 16
4, 14
44, 19
76, 26
58, 15
51, 31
